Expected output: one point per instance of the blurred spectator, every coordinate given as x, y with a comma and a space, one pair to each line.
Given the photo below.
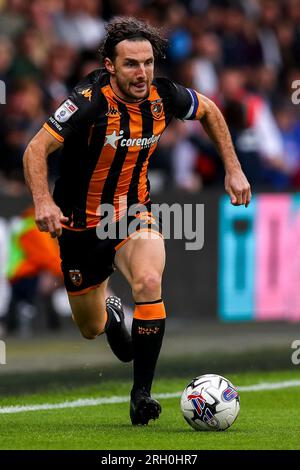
179, 35
88, 62
32, 50
40, 14
240, 41
264, 82
293, 13
34, 273
6, 57
24, 116
243, 137
127, 8
58, 69
13, 18
186, 156
286, 37
270, 14
207, 62
80, 24
290, 132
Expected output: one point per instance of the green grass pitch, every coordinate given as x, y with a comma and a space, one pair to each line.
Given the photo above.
267, 420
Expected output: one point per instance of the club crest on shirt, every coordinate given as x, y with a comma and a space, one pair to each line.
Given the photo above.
65, 111
76, 277
156, 108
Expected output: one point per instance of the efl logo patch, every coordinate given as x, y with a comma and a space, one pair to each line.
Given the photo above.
229, 394
65, 111
76, 277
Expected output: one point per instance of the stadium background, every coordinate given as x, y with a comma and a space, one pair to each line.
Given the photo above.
234, 304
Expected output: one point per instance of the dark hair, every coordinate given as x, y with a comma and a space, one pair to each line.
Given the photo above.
121, 28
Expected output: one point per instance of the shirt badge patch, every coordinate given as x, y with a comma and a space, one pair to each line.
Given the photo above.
156, 110
65, 111
76, 277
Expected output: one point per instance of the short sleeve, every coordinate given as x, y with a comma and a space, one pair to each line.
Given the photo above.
187, 103
73, 115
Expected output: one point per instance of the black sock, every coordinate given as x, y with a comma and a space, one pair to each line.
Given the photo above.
147, 337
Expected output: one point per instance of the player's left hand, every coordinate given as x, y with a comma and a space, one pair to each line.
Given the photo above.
238, 187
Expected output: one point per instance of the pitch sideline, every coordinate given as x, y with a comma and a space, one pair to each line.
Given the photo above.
113, 400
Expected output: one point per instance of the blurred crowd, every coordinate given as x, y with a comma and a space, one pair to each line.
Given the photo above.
245, 55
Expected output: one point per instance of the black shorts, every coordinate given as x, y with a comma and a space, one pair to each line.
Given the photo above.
88, 256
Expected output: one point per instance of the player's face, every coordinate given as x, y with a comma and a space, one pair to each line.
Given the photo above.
132, 69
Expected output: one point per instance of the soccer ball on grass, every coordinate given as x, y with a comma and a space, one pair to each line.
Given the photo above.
210, 403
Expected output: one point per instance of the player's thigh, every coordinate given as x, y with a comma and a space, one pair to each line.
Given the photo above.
88, 309
140, 256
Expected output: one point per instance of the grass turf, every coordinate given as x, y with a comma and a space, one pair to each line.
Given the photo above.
268, 420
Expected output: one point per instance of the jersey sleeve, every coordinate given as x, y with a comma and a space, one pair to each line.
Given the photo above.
75, 113
187, 103
67, 119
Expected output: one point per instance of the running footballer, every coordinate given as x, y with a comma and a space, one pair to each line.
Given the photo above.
109, 127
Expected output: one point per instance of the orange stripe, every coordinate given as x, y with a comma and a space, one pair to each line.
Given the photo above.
132, 236
103, 165
136, 129
159, 126
67, 227
83, 291
150, 311
52, 132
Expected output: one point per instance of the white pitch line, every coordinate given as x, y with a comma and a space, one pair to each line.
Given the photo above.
113, 400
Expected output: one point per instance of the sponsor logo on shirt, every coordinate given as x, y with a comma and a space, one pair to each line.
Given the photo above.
143, 142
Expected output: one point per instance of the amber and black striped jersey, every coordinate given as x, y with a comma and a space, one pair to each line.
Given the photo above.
108, 143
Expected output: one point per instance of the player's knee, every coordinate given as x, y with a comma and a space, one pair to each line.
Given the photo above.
91, 331
147, 285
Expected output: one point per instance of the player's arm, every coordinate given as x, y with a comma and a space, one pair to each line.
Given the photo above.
213, 122
48, 215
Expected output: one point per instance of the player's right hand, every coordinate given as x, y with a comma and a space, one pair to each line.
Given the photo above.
49, 217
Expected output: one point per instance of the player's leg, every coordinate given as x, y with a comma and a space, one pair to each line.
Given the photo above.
87, 265
94, 315
142, 262
89, 312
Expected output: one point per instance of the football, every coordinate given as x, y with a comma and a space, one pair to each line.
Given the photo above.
210, 403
